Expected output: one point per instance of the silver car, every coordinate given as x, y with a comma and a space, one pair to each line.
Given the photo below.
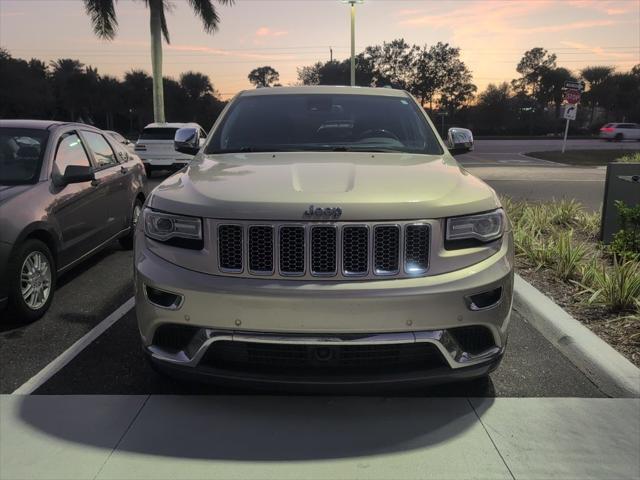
66, 191
323, 235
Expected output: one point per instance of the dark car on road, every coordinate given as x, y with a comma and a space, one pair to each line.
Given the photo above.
66, 191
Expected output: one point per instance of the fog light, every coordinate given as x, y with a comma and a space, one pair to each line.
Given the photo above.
162, 298
484, 300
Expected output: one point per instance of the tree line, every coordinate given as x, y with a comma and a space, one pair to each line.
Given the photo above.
66, 89
529, 104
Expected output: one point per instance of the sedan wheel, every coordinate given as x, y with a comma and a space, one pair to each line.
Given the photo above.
127, 242
137, 210
32, 280
35, 280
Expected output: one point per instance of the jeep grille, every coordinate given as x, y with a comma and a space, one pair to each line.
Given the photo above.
330, 250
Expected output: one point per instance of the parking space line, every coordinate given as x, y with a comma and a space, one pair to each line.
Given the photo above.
70, 353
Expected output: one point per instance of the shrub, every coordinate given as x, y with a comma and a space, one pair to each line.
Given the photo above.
589, 224
629, 158
514, 208
627, 240
565, 212
536, 218
566, 255
617, 288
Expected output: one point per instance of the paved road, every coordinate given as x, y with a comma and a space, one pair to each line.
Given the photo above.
88, 293
503, 165
510, 147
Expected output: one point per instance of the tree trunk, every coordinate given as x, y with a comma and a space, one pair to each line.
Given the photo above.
156, 60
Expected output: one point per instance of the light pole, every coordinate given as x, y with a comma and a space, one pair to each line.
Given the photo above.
352, 3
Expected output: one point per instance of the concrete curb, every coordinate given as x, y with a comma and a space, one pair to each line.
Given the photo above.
613, 373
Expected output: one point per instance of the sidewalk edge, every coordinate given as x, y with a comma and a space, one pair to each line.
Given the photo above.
608, 369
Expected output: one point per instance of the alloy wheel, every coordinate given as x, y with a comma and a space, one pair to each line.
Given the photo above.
35, 280
137, 209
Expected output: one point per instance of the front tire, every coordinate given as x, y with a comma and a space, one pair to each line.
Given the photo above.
32, 280
127, 242
148, 170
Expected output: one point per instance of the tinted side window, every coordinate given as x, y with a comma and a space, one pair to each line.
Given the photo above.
71, 152
102, 151
21, 152
156, 133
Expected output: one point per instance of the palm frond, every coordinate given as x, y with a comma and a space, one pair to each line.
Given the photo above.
103, 17
207, 13
161, 7
163, 25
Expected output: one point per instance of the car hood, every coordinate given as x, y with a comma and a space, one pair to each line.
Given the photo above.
282, 186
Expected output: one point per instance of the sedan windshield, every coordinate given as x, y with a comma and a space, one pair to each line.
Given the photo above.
324, 122
21, 152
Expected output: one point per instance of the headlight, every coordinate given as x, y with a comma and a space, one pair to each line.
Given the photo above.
175, 230
476, 229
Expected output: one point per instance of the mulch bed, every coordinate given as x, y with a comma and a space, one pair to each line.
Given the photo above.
622, 334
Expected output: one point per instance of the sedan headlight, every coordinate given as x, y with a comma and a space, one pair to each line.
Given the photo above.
472, 230
176, 230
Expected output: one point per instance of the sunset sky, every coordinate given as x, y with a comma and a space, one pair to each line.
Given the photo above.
288, 34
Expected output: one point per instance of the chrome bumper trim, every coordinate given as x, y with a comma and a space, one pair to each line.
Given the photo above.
442, 339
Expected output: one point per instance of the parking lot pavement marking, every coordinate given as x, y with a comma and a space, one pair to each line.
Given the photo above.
70, 353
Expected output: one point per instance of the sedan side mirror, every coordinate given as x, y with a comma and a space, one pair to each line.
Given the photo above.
459, 140
77, 174
187, 140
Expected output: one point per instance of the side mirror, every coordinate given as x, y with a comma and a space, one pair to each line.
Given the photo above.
459, 140
77, 174
187, 140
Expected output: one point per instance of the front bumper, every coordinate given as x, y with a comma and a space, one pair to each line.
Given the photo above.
290, 312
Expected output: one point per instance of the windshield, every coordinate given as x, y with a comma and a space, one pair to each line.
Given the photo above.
21, 152
155, 133
317, 122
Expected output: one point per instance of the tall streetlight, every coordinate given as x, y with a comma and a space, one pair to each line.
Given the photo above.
353, 38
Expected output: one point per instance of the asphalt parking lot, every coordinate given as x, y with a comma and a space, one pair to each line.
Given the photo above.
113, 364
504, 165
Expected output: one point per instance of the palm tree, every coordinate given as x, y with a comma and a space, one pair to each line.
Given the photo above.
105, 23
597, 78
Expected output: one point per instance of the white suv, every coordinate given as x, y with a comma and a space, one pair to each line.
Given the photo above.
620, 131
155, 146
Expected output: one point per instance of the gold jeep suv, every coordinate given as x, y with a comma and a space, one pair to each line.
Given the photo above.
323, 235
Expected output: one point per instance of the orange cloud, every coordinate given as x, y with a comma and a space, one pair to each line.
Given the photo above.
227, 53
497, 17
604, 6
267, 32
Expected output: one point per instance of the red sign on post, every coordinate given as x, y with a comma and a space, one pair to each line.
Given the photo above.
572, 96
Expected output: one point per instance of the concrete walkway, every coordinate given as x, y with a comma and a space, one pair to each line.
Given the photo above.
271, 437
